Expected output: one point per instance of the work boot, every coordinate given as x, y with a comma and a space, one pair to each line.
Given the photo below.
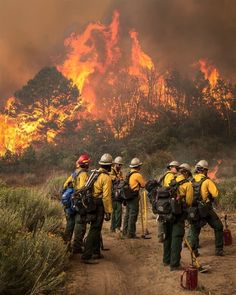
161, 238
98, 256
219, 253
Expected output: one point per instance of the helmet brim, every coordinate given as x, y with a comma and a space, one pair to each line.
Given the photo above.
105, 164
135, 166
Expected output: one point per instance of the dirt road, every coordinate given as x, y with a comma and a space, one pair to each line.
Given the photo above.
135, 267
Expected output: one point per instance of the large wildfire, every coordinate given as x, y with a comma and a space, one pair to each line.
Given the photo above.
116, 81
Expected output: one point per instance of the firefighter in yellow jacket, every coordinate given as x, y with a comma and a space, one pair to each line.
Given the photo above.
74, 222
205, 193
171, 173
102, 197
136, 182
174, 229
116, 176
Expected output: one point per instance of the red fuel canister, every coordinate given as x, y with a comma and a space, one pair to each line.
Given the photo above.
191, 278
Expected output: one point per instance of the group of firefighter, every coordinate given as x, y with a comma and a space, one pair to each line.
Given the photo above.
170, 230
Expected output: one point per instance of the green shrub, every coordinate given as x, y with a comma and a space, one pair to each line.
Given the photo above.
155, 164
33, 207
53, 186
227, 199
32, 256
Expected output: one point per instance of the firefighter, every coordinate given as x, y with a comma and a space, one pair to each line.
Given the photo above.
165, 180
102, 197
204, 195
136, 182
116, 176
174, 229
74, 222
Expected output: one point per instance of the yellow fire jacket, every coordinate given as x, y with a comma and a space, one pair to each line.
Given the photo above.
116, 174
185, 190
136, 180
102, 189
79, 181
169, 176
208, 187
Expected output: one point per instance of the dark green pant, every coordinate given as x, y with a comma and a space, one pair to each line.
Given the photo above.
70, 224
213, 220
79, 232
92, 244
131, 216
116, 215
172, 245
160, 229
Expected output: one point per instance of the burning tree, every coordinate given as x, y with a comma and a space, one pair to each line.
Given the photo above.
45, 102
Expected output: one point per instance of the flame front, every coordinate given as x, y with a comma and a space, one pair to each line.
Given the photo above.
122, 84
213, 173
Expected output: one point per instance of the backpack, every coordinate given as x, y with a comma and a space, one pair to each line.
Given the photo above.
66, 200
152, 186
123, 189
116, 193
84, 200
166, 204
199, 209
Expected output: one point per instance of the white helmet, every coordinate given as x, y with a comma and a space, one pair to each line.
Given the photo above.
203, 164
118, 160
185, 166
106, 159
173, 163
135, 162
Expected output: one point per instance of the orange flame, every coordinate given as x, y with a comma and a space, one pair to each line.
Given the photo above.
95, 62
212, 174
140, 60
210, 72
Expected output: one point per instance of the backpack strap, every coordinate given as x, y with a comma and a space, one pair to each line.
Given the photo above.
161, 179
181, 182
199, 183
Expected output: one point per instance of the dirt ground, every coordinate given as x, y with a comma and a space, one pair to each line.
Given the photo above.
135, 267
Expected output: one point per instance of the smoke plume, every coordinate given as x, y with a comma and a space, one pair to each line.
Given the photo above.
175, 33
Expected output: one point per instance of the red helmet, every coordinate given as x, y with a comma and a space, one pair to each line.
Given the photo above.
83, 160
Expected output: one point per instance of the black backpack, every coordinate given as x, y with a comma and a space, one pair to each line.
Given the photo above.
84, 200
199, 209
123, 188
152, 186
166, 204
116, 192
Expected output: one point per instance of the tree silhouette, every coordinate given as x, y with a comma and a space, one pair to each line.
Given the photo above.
46, 101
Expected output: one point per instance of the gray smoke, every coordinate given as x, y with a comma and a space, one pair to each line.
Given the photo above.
176, 33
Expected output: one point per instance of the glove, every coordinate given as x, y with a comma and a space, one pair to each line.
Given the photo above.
107, 216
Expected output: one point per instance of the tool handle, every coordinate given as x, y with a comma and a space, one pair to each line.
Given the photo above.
182, 280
